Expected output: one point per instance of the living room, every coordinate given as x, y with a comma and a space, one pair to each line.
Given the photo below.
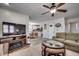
25, 27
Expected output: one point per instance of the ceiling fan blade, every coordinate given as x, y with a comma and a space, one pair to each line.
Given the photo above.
52, 14
62, 10
46, 6
59, 5
53, 4
45, 13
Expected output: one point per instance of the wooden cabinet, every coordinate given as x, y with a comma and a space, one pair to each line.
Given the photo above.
8, 42
1, 49
4, 49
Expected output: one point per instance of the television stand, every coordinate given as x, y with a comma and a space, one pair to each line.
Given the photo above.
15, 45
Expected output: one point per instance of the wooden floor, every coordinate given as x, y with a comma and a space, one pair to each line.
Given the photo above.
35, 49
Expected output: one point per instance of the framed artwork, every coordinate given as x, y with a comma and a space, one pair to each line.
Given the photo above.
57, 25
50, 25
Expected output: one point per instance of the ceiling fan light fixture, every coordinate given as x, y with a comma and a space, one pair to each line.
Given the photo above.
7, 4
53, 10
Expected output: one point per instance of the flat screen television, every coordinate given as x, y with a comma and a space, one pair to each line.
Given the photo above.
13, 28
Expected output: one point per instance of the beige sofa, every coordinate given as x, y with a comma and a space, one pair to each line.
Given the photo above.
71, 40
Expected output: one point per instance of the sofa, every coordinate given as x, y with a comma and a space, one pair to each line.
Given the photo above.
71, 40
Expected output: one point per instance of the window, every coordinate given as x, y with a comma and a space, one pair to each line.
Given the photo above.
73, 27
8, 28
11, 28
5, 28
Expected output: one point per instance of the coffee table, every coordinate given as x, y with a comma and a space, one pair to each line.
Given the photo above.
52, 47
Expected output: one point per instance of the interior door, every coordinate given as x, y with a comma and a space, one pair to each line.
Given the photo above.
46, 32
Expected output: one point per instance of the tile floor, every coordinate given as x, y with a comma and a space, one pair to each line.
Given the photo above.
35, 50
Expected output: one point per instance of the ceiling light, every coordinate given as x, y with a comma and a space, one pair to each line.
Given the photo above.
53, 10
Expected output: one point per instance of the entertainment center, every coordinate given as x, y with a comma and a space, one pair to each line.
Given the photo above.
13, 42
13, 37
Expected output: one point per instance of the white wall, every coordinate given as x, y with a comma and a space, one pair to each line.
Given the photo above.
52, 31
10, 16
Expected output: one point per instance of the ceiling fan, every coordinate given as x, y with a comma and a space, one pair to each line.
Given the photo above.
54, 8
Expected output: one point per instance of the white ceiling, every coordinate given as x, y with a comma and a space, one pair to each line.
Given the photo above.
34, 10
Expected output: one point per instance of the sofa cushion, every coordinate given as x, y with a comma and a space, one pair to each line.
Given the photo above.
60, 35
72, 43
72, 36
77, 40
59, 39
